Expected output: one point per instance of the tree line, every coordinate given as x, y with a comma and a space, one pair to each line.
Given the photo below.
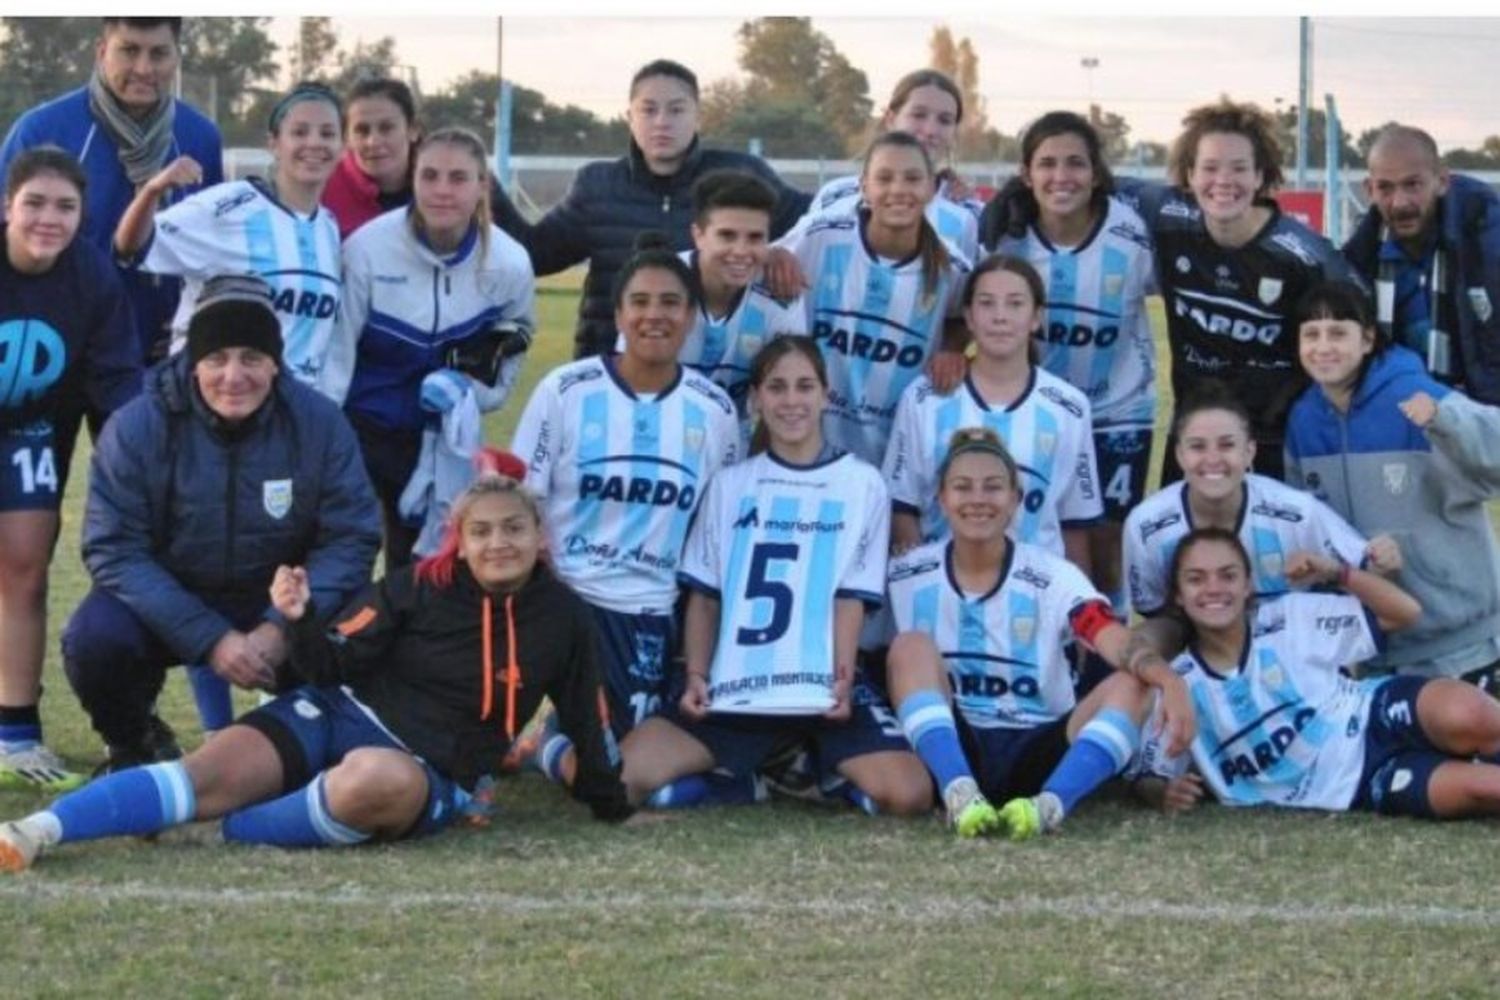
798, 95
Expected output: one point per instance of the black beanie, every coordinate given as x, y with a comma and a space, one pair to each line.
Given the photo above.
234, 310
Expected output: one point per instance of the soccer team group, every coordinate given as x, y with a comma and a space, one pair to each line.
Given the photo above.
845, 495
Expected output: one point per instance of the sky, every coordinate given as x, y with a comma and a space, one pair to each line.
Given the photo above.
1150, 69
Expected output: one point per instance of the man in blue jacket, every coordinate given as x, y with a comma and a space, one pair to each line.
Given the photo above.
612, 202
124, 126
223, 469
1431, 249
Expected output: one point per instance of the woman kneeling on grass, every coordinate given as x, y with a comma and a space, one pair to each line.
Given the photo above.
1278, 724
985, 623
409, 699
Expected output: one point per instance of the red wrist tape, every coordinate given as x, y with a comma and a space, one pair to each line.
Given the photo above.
1088, 620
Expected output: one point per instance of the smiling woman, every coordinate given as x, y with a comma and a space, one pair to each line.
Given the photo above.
272, 227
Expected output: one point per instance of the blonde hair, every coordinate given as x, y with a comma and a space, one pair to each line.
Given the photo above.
464, 139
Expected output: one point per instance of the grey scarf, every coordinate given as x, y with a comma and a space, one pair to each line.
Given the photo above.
143, 145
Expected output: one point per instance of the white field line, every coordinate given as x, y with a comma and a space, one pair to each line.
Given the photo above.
32, 888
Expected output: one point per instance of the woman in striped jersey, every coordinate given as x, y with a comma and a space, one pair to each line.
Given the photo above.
1043, 421
787, 552
272, 227
1094, 255
1280, 724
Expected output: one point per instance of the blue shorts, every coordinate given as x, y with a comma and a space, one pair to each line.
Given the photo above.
635, 656
741, 743
1399, 758
28, 468
1123, 457
1013, 762
313, 728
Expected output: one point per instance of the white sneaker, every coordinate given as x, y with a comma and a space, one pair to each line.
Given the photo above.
37, 767
18, 849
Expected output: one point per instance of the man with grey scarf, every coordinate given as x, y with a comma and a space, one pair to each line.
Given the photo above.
123, 126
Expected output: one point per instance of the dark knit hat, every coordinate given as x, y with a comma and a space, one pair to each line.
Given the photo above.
234, 310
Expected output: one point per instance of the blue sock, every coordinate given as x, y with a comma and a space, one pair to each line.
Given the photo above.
212, 693
927, 719
298, 819
711, 788
549, 757
1104, 746
134, 802
20, 727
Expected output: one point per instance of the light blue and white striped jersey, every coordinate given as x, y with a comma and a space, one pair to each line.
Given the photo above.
722, 347
955, 221
1005, 650
777, 544
1046, 431
619, 476
875, 323
1287, 729
1275, 521
238, 228
1098, 334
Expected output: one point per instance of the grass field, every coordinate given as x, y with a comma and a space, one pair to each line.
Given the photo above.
781, 901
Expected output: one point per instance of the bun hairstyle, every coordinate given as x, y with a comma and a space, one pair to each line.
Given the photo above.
981, 441
654, 250
496, 472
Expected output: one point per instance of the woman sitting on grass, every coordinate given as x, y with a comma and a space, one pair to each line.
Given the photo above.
1279, 724
407, 701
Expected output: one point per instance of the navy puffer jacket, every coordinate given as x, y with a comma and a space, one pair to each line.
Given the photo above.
188, 517
613, 201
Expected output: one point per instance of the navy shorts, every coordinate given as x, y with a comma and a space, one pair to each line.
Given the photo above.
1012, 762
313, 728
28, 468
1399, 758
1124, 457
741, 743
635, 654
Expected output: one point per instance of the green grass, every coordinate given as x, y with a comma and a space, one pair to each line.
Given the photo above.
786, 900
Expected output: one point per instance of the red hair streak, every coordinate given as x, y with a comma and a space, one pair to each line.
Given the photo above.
437, 569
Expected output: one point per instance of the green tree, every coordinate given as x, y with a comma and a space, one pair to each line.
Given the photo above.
959, 61
802, 96
222, 59
1317, 124
364, 61
41, 57
537, 125
313, 57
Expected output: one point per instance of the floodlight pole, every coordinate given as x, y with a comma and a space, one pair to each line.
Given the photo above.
1304, 89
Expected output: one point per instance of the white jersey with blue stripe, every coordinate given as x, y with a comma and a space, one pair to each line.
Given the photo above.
876, 324
1287, 728
1275, 521
777, 545
619, 476
1098, 333
238, 228
955, 221
1046, 430
1006, 649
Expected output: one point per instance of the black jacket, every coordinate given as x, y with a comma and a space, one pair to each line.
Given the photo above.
609, 204
414, 653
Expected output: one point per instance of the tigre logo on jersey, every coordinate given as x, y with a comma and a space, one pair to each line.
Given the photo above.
1039, 580
577, 378
903, 570
1294, 246
706, 387
226, 205
1061, 399
1333, 624
1267, 509
1131, 233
